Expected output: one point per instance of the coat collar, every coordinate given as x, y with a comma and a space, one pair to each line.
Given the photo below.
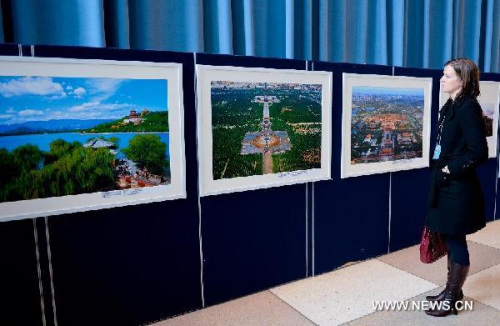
448, 111
450, 107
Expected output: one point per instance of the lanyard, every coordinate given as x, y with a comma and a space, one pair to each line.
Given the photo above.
442, 117
440, 128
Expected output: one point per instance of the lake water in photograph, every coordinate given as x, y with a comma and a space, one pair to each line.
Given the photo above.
42, 141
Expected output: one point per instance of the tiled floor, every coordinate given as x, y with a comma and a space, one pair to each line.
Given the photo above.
347, 295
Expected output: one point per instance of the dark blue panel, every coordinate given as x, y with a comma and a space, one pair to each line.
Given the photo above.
44, 270
488, 176
19, 291
253, 241
125, 266
410, 188
485, 173
352, 214
490, 77
408, 207
134, 264
309, 229
256, 239
497, 200
249, 62
10, 49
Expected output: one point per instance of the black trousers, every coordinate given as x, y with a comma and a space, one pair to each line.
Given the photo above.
457, 249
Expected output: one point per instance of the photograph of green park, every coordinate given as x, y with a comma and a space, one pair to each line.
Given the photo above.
263, 128
69, 135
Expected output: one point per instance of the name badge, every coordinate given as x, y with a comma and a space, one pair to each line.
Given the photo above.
437, 152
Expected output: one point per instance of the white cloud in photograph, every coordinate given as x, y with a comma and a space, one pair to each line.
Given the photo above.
43, 86
103, 88
79, 92
27, 113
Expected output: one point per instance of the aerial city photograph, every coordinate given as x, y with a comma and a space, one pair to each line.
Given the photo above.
263, 128
66, 135
386, 124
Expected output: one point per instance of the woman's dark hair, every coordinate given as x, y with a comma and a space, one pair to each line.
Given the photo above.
469, 74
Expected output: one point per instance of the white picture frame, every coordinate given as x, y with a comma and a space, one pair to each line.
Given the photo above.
383, 153
311, 87
17, 72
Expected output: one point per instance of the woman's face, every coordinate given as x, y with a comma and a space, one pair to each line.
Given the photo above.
451, 82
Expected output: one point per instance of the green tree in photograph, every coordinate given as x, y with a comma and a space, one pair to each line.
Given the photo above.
60, 148
7, 166
81, 170
27, 157
94, 169
149, 152
68, 169
9, 172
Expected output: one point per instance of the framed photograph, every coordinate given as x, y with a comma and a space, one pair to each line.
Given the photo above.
385, 124
78, 135
261, 128
490, 102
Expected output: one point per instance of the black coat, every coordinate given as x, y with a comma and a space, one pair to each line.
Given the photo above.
456, 202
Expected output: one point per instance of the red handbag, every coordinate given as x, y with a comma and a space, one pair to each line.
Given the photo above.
432, 246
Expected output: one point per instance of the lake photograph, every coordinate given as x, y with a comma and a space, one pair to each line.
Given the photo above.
68, 135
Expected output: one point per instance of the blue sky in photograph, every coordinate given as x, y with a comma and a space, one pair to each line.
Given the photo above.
387, 91
25, 99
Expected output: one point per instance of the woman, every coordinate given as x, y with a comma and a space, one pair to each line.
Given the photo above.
456, 204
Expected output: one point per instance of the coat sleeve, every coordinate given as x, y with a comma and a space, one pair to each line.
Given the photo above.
470, 119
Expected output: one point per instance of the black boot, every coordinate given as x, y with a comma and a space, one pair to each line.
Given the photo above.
440, 296
458, 274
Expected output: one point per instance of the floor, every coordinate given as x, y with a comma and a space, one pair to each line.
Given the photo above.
347, 296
